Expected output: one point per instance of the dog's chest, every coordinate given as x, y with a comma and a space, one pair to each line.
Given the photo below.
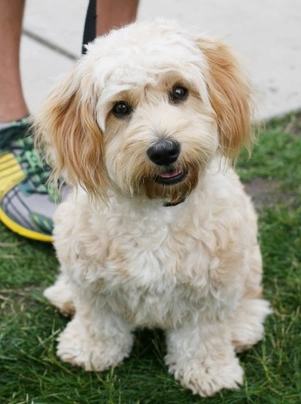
153, 274
153, 267
154, 288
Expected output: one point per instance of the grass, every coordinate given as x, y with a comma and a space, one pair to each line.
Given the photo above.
30, 372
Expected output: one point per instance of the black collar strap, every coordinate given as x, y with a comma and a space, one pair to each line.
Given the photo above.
168, 204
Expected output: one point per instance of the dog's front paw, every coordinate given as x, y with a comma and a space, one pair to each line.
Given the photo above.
60, 295
206, 377
77, 347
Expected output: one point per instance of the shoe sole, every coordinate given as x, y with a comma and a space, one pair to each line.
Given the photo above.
22, 231
15, 176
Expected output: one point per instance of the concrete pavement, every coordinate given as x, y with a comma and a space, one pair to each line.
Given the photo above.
267, 33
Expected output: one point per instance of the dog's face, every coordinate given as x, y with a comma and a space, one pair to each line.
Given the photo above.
145, 111
158, 135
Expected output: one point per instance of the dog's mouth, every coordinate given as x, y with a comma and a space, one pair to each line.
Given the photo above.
171, 177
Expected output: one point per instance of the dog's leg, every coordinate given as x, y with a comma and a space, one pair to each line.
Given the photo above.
202, 358
246, 325
95, 339
60, 295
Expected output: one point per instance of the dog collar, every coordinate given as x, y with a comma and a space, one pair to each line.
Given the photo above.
168, 204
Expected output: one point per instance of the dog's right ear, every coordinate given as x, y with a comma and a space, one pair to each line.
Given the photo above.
67, 129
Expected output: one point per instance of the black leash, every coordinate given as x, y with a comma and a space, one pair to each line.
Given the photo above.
90, 25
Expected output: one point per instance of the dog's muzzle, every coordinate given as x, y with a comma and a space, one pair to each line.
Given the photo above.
165, 152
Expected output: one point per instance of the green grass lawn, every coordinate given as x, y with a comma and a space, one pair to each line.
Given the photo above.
30, 372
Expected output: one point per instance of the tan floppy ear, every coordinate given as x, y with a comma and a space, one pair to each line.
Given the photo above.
230, 95
66, 126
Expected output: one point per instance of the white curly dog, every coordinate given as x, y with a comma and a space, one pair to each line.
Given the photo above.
158, 231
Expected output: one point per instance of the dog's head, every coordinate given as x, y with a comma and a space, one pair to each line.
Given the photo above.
145, 111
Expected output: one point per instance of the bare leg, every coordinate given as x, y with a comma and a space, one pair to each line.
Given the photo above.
114, 14
12, 103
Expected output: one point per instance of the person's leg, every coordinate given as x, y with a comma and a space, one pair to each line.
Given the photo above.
104, 15
26, 203
12, 103
114, 14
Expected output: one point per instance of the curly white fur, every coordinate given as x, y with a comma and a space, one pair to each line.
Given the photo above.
127, 260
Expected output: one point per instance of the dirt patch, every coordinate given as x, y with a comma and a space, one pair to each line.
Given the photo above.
265, 192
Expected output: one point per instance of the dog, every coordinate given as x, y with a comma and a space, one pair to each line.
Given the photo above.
158, 231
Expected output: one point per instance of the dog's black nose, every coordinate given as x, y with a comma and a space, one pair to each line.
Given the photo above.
164, 152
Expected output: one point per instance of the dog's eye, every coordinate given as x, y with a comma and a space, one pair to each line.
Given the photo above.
178, 94
121, 109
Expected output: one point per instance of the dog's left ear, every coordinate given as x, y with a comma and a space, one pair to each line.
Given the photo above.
230, 96
66, 127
